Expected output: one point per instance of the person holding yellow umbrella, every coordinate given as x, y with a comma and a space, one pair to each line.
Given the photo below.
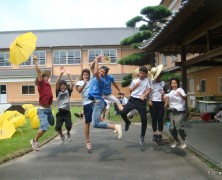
45, 100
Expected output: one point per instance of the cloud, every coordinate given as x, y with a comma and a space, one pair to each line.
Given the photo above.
59, 14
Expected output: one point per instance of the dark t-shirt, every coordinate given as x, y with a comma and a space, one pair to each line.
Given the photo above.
45, 93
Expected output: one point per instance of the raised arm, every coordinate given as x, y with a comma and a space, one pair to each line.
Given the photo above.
62, 70
71, 80
95, 67
39, 75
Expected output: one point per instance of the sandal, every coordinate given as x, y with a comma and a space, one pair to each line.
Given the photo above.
88, 145
79, 115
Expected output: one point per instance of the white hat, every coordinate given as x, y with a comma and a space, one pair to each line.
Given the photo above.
155, 72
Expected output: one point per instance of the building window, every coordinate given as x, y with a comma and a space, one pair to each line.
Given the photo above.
190, 85
112, 53
64, 57
203, 85
28, 89
164, 60
92, 53
4, 59
220, 84
41, 59
174, 58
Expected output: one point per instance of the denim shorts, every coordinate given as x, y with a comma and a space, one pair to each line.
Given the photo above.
46, 118
97, 110
88, 110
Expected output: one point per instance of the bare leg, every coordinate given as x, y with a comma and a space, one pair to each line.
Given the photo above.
87, 125
39, 134
120, 106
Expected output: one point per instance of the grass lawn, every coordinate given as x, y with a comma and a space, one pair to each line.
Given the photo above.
19, 143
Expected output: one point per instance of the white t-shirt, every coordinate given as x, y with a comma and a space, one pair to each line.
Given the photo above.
156, 91
85, 91
175, 100
144, 85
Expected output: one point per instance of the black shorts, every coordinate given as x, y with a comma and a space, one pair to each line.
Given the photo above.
61, 117
88, 110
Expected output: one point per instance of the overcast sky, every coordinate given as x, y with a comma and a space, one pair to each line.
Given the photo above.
61, 14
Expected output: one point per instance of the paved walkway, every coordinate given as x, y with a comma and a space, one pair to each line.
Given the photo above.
110, 159
206, 139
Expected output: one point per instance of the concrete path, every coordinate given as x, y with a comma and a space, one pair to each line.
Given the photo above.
206, 140
110, 159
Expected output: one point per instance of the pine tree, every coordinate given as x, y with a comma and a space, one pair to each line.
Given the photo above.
153, 18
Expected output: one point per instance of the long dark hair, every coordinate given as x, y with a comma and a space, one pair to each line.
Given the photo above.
85, 71
175, 79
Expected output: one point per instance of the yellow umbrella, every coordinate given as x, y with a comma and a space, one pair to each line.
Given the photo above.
27, 107
22, 48
7, 129
18, 121
35, 123
32, 113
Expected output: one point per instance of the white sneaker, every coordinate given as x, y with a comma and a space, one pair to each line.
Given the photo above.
69, 138
62, 140
183, 144
118, 130
34, 145
175, 144
115, 133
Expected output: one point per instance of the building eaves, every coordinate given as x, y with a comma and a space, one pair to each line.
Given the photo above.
11, 73
190, 16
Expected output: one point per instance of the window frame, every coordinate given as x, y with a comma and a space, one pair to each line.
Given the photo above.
201, 87
164, 59
102, 53
65, 58
37, 53
28, 86
174, 58
191, 83
5, 60
220, 84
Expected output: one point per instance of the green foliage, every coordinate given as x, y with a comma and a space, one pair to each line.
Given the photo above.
144, 27
126, 80
126, 83
138, 59
128, 76
135, 45
167, 76
137, 38
156, 13
153, 17
132, 22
